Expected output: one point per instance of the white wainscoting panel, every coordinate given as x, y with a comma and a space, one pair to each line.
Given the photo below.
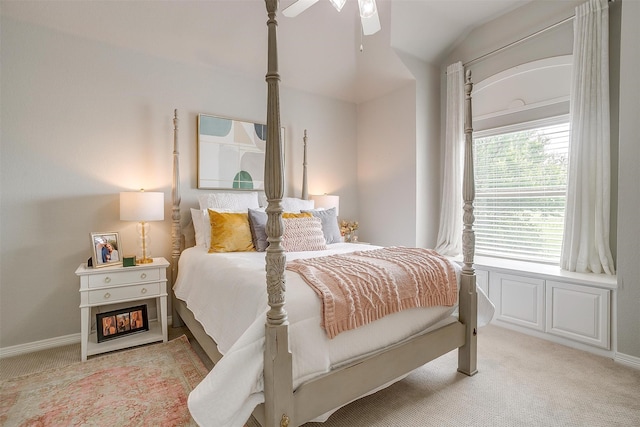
519, 300
578, 312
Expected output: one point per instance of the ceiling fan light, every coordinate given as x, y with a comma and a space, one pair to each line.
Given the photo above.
367, 8
338, 4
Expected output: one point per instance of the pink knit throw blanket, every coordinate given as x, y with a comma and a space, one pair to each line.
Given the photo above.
360, 287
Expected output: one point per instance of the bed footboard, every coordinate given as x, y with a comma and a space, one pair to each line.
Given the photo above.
348, 383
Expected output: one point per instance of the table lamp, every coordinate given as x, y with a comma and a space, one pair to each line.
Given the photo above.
326, 201
142, 206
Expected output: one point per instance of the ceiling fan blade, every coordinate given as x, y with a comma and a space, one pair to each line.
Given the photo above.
298, 7
370, 25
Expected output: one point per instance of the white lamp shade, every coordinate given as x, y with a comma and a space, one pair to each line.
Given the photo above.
141, 206
326, 201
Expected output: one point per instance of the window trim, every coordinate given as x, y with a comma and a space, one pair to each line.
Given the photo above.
518, 127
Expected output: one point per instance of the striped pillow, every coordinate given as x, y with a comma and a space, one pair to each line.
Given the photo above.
303, 234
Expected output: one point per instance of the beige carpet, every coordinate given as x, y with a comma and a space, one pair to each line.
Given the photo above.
522, 381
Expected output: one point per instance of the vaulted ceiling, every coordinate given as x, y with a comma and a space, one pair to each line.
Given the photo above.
319, 50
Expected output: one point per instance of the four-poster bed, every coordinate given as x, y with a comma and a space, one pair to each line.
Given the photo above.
289, 400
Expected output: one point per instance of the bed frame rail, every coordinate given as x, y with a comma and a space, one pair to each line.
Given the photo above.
347, 384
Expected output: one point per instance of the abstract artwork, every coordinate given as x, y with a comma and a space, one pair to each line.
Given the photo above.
230, 153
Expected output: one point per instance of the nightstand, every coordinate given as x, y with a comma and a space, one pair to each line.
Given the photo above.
118, 284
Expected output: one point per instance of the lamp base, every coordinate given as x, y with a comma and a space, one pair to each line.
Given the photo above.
144, 261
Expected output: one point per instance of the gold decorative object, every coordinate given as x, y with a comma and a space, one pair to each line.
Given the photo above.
348, 230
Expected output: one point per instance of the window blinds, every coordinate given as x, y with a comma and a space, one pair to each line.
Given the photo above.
521, 180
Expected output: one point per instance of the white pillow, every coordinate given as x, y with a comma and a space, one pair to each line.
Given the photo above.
262, 198
197, 218
233, 202
292, 204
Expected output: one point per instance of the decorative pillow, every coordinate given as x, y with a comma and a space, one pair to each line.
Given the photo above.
296, 215
257, 224
234, 202
262, 200
230, 232
330, 226
197, 218
292, 204
303, 234
202, 221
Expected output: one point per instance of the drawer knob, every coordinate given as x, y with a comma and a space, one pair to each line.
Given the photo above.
143, 291
107, 279
143, 275
107, 295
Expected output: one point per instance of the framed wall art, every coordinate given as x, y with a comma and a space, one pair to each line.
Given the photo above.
116, 323
106, 249
231, 153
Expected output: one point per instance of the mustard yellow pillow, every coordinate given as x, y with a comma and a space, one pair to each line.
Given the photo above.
230, 232
296, 215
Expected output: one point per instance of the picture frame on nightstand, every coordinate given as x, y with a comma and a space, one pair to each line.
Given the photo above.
116, 323
105, 248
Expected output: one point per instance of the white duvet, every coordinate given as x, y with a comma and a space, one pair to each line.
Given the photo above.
232, 309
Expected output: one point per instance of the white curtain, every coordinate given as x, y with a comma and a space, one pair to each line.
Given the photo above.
585, 245
450, 229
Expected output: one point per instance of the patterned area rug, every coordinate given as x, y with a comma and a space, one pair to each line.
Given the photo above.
146, 386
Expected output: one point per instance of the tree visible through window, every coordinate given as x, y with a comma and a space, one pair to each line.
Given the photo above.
521, 181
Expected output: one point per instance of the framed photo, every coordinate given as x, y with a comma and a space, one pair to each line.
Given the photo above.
231, 153
106, 249
116, 323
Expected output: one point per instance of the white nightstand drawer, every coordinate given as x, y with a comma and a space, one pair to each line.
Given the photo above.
105, 296
122, 277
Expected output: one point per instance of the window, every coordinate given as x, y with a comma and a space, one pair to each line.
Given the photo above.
521, 181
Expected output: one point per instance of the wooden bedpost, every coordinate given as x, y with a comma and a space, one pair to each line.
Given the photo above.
176, 229
278, 376
305, 190
467, 354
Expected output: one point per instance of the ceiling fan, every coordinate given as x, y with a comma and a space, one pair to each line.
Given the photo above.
368, 12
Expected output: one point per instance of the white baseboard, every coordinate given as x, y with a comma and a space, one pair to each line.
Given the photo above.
30, 347
556, 339
625, 359
17, 350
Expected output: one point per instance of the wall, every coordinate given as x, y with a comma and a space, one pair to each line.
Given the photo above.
624, 107
628, 178
398, 162
427, 150
387, 169
82, 121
